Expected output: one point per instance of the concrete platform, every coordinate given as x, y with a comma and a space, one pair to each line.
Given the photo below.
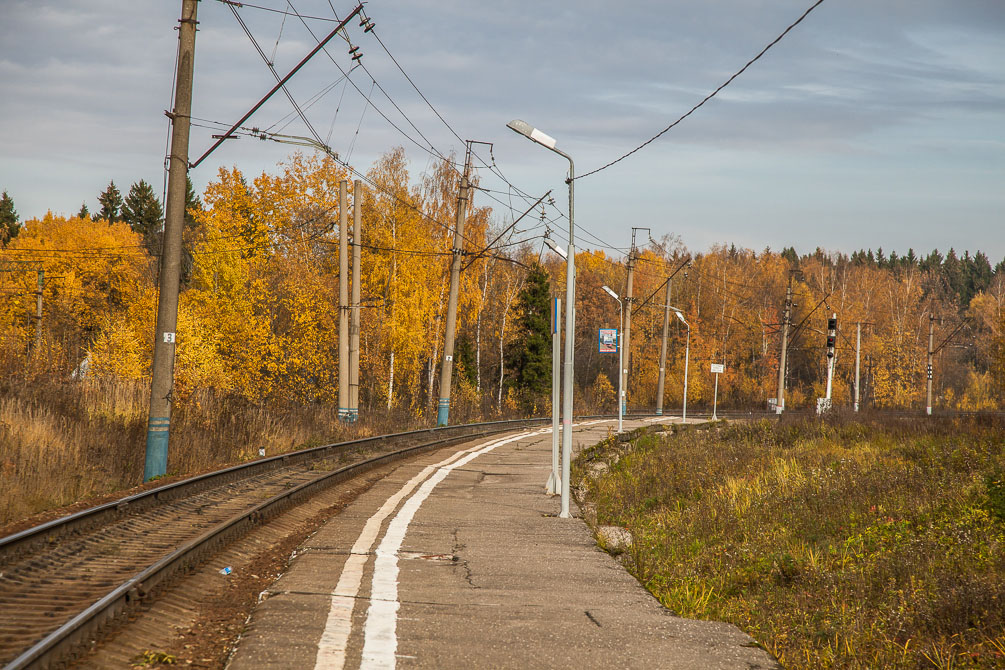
459, 560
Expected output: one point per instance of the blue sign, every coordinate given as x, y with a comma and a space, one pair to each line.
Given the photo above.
608, 340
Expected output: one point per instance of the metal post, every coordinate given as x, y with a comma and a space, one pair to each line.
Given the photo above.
715, 398
446, 370
548, 142
621, 367
625, 362
687, 355
780, 407
663, 353
554, 480
162, 371
357, 250
858, 359
570, 342
931, 335
831, 355
343, 301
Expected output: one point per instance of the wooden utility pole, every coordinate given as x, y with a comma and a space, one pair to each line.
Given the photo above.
446, 370
780, 407
162, 372
663, 352
357, 250
343, 301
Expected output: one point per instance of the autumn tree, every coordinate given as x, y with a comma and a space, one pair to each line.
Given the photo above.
9, 226
110, 204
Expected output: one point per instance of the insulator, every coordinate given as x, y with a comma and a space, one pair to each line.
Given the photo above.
357, 56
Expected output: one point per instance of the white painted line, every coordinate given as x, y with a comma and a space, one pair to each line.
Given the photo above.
380, 642
335, 637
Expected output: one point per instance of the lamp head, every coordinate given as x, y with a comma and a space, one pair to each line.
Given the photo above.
554, 247
531, 133
609, 292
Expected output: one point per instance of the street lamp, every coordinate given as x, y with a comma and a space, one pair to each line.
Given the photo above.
557, 249
687, 355
548, 142
621, 353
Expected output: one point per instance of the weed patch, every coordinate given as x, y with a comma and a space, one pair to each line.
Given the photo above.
869, 543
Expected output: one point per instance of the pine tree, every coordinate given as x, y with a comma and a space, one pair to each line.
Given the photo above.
110, 204
84, 213
530, 359
9, 226
143, 212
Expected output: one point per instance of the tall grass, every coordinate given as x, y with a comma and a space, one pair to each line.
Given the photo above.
846, 543
63, 441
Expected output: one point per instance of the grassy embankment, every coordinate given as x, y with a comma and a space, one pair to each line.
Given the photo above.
63, 442
875, 543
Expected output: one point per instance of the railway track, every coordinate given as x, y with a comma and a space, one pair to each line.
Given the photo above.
63, 582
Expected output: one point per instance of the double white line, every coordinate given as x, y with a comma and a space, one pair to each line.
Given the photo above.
380, 643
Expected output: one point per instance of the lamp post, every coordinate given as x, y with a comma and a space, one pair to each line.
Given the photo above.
621, 353
548, 142
687, 356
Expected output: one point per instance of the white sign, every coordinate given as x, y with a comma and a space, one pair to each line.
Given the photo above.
168, 338
718, 368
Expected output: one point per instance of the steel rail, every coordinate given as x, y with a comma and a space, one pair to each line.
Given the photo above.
23, 541
55, 647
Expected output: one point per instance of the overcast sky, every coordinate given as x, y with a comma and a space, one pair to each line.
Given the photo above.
872, 124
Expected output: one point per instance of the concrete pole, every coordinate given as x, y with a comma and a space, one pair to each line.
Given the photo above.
343, 301
357, 250
663, 353
785, 344
38, 309
626, 361
928, 371
162, 371
447, 367
554, 480
858, 359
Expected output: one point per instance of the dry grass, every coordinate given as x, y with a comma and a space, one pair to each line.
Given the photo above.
850, 543
62, 442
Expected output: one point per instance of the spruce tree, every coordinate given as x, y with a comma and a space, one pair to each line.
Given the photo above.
110, 204
143, 212
192, 202
9, 226
530, 359
84, 213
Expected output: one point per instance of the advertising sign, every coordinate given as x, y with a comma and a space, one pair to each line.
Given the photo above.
608, 340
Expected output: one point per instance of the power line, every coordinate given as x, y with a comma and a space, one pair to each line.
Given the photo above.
709, 96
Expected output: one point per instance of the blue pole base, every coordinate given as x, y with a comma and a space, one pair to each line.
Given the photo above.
659, 412
158, 430
443, 412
